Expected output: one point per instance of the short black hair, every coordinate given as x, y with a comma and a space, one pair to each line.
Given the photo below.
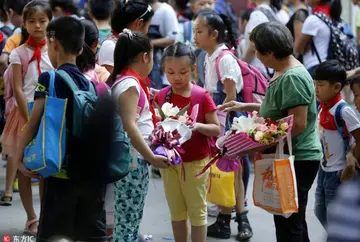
86, 61
354, 81
273, 37
331, 71
16, 5
126, 13
69, 32
66, 5
246, 14
34, 6
101, 9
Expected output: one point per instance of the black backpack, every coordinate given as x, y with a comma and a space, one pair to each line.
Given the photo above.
341, 47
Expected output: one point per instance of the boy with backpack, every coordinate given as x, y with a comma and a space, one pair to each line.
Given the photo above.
337, 122
100, 12
72, 207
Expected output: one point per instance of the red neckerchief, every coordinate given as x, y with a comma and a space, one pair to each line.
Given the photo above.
114, 33
37, 51
68, 14
145, 84
322, 8
326, 118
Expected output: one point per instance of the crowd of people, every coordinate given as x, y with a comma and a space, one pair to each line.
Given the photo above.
144, 52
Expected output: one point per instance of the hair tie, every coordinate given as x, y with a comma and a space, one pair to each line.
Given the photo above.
226, 32
129, 33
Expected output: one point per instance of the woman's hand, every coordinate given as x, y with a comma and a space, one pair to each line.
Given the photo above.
159, 161
232, 106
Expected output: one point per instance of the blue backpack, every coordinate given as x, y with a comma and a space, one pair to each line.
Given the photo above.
117, 162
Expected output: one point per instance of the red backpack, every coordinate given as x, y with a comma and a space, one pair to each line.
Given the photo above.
255, 83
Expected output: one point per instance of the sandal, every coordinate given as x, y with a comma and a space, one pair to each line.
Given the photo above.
6, 199
244, 229
28, 226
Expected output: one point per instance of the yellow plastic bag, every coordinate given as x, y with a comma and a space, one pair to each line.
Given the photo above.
221, 190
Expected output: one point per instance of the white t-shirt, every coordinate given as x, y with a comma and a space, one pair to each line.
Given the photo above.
144, 120
106, 53
228, 68
283, 16
165, 21
256, 18
315, 27
32, 74
332, 141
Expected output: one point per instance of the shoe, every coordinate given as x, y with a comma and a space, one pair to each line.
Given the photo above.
244, 229
16, 185
5, 199
213, 210
221, 228
155, 172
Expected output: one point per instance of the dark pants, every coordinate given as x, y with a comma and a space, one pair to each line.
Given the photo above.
73, 211
294, 228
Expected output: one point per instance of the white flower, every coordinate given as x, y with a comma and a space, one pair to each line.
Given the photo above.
242, 124
182, 119
173, 111
166, 107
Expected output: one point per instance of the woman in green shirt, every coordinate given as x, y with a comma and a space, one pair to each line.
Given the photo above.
291, 92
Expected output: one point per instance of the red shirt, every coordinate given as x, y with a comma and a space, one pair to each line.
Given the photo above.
197, 147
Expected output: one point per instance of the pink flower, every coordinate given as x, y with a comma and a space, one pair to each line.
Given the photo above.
258, 135
284, 126
262, 128
273, 128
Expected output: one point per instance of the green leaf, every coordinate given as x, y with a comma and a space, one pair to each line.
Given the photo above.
162, 114
183, 111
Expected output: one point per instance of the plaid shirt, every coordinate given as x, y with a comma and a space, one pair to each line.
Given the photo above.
344, 215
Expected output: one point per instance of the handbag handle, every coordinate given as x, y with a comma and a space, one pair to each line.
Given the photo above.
280, 148
52, 84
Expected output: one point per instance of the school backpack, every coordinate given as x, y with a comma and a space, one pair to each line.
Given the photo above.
255, 84
341, 47
84, 104
101, 87
5, 32
268, 13
8, 78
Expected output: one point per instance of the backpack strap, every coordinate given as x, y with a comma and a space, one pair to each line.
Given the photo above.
271, 17
52, 92
7, 30
340, 125
218, 59
24, 58
198, 97
187, 31
162, 94
70, 82
142, 97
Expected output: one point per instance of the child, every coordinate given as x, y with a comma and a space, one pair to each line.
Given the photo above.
187, 198
64, 8
241, 49
211, 33
86, 62
36, 15
69, 209
134, 15
100, 12
330, 78
133, 63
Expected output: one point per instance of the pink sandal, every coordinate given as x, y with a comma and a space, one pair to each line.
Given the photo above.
28, 225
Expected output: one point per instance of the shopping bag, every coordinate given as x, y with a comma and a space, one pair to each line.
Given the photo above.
275, 188
45, 153
221, 190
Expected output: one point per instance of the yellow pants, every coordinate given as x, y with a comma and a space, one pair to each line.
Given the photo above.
187, 198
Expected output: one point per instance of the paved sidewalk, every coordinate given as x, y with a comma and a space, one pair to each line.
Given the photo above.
156, 218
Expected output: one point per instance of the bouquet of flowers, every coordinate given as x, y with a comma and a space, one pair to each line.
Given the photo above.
247, 134
172, 112
167, 138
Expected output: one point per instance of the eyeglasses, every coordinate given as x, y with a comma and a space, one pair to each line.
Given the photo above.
148, 10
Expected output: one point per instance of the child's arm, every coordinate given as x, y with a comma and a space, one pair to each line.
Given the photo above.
18, 90
356, 147
211, 127
230, 90
128, 106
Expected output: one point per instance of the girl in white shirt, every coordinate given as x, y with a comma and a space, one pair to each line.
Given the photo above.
36, 17
314, 40
211, 32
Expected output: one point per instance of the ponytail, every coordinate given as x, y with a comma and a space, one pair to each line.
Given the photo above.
230, 37
128, 47
335, 10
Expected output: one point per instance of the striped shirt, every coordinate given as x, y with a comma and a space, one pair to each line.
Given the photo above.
344, 215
